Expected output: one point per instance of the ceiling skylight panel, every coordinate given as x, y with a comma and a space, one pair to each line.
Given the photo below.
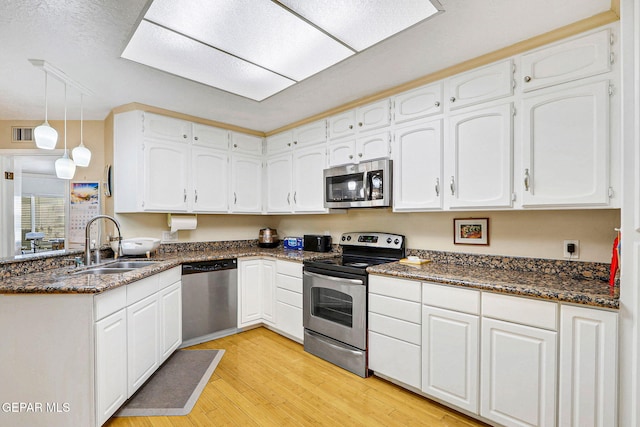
363, 23
160, 48
258, 31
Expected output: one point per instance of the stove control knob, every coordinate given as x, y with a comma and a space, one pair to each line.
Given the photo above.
348, 238
343, 238
396, 241
389, 240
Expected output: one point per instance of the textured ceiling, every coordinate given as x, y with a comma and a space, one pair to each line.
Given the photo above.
85, 39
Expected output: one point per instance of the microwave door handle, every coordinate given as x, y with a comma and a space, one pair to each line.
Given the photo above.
335, 279
367, 185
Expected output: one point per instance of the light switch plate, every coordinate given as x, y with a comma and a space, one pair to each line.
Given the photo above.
169, 237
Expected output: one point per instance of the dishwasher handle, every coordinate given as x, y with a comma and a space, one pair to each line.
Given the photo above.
209, 266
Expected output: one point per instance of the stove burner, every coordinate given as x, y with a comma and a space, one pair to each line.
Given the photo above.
358, 264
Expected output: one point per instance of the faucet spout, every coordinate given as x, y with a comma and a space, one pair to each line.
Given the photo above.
87, 237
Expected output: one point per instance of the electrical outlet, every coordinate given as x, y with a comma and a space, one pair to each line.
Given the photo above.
168, 237
576, 249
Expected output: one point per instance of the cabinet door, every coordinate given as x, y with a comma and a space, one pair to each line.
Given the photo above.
422, 102
310, 134
373, 116
249, 292
209, 136
268, 276
166, 128
246, 181
478, 158
209, 180
417, 166
566, 147
279, 198
279, 143
341, 153
518, 374
247, 144
480, 85
342, 125
450, 357
143, 341
165, 176
372, 146
588, 367
289, 320
170, 300
111, 364
565, 61
308, 187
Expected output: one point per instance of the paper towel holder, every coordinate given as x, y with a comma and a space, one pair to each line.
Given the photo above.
169, 219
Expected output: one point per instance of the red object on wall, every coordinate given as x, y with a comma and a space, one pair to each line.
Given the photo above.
615, 261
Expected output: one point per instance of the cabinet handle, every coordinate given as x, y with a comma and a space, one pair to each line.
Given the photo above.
452, 99
196, 195
437, 104
295, 142
350, 126
184, 136
527, 79
295, 193
438, 187
288, 144
452, 185
359, 154
195, 137
526, 180
360, 124
185, 195
350, 156
288, 198
235, 198
235, 145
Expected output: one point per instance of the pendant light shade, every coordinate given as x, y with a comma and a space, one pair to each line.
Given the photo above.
65, 167
45, 136
81, 154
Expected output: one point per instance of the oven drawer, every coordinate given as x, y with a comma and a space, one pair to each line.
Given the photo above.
396, 288
396, 308
395, 328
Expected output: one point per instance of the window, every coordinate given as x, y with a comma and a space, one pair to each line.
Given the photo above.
42, 214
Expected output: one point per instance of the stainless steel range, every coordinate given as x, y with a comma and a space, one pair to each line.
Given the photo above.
335, 298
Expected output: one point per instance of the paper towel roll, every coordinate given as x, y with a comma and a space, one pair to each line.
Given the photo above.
182, 222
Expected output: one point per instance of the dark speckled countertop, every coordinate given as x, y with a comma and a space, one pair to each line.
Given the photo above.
586, 291
61, 280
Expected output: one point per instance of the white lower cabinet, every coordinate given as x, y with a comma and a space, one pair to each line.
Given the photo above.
170, 300
289, 299
143, 341
588, 367
394, 329
256, 292
451, 345
518, 375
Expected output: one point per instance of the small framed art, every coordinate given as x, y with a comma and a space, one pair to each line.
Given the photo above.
471, 231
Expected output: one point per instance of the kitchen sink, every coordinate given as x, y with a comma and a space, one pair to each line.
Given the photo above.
115, 267
102, 270
129, 264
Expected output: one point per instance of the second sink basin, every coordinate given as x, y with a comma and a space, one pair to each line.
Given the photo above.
129, 264
115, 267
102, 270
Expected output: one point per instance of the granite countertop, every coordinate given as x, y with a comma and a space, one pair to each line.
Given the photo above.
532, 284
61, 280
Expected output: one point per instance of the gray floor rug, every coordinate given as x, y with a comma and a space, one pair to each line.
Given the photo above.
175, 387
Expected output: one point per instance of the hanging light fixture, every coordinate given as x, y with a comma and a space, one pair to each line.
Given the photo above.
46, 136
65, 168
81, 154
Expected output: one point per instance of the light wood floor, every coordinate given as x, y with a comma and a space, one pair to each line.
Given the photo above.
265, 379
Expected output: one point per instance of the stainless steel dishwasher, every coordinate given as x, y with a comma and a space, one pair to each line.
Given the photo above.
209, 300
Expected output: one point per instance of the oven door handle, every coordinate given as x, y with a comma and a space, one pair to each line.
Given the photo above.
335, 279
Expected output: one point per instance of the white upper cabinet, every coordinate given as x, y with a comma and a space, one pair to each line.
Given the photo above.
208, 136
165, 177
167, 128
308, 188
481, 85
363, 148
279, 143
417, 166
417, 103
362, 119
565, 142
279, 184
246, 144
246, 184
478, 158
209, 180
566, 61
312, 133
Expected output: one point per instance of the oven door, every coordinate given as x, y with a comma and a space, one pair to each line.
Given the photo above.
336, 307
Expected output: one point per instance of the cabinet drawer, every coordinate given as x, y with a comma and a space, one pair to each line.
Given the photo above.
539, 314
289, 268
396, 359
397, 308
396, 288
452, 298
109, 302
289, 321
290, 283
142, 289
395, 328
288, 297
169, 277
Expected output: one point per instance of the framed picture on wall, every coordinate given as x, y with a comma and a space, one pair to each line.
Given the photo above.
471, 231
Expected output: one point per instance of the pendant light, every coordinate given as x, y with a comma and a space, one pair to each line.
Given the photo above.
65, 168
81, 154
46, 136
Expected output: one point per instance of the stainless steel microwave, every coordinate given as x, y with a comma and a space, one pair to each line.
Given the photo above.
364, 185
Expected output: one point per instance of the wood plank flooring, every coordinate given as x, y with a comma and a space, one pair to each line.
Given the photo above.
265, 379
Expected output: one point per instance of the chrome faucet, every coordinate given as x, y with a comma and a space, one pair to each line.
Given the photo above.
87, 239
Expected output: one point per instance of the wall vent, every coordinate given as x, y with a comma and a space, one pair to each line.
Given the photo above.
21, 134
